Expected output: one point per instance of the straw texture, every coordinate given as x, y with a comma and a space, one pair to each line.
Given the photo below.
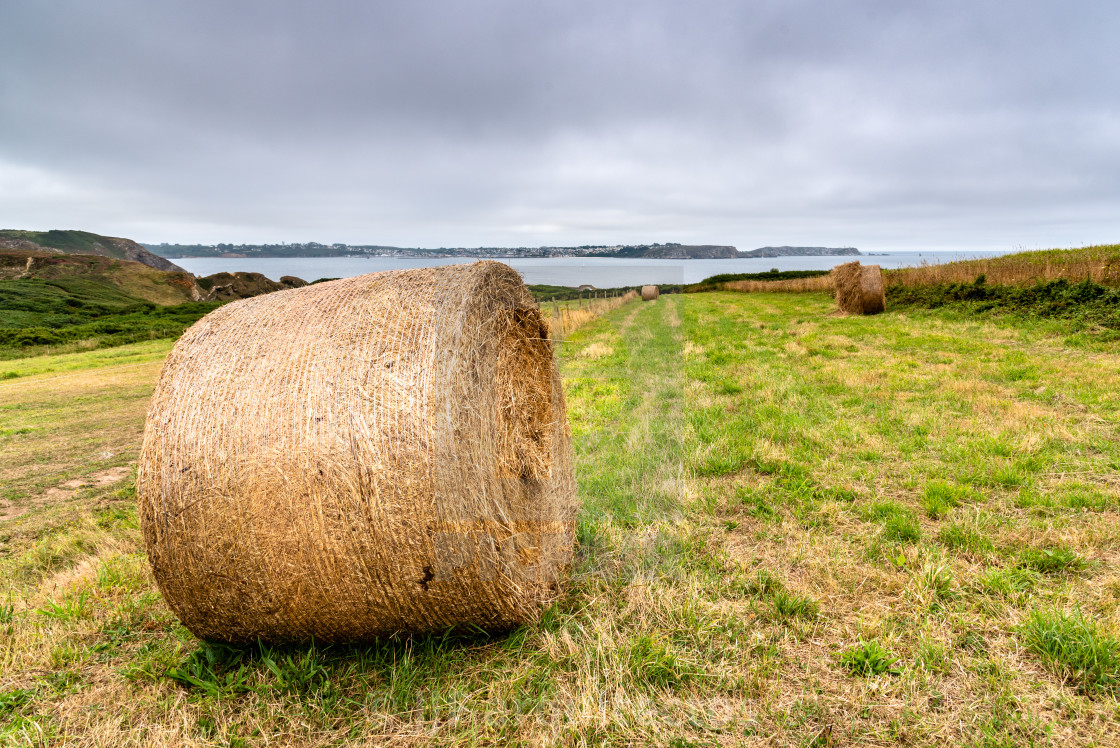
846, 281
650, 293
859, 288
873, 295
380, 454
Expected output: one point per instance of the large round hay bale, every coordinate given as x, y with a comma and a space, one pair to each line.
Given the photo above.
380, 454
846, 279
649, 293
873, 296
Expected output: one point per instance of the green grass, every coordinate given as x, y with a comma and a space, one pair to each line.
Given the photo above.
966, 537
940, 497
795, 528
1075, 648
899, 523
35, 314
1085, 304
69, 241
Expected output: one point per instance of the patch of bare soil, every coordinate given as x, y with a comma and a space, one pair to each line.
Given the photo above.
8, 510
64, 491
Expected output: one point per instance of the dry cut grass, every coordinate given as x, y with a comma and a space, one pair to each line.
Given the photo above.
566, 317
797, 285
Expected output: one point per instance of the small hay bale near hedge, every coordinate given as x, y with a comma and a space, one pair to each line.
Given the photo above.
381, 454
859, 289
650, 293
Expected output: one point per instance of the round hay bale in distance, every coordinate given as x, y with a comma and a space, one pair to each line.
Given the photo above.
846, 279
650, 293
859, 288
380, 454
873, 296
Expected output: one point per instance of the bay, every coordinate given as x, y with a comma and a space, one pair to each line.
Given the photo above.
603, 272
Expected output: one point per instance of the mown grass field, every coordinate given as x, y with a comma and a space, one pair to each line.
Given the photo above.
798, 529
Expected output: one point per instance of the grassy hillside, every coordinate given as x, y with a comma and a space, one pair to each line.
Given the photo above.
130, 278
797, 529
1091, 308
87, 301
1100, 264
84, 243
37, 313
70, 242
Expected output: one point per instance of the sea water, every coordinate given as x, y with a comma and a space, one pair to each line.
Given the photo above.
601, 272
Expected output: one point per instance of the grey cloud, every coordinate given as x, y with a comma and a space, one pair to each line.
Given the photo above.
880, 124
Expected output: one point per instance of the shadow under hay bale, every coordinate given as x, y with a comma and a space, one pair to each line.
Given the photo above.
859, 289
650, 293
380, 454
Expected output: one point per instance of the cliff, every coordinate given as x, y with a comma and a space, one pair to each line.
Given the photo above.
692, 252
800, 252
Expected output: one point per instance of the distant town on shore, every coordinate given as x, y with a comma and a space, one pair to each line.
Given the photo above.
668, 251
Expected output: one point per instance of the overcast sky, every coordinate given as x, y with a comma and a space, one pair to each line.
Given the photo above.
889, 124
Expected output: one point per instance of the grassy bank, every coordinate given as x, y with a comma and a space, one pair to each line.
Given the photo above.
797, 529
71, 314
1099, 265
1085, 307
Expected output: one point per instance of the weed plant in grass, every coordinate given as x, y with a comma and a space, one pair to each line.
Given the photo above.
869, 658
939, 498
899, 524
938, 580
787, 605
